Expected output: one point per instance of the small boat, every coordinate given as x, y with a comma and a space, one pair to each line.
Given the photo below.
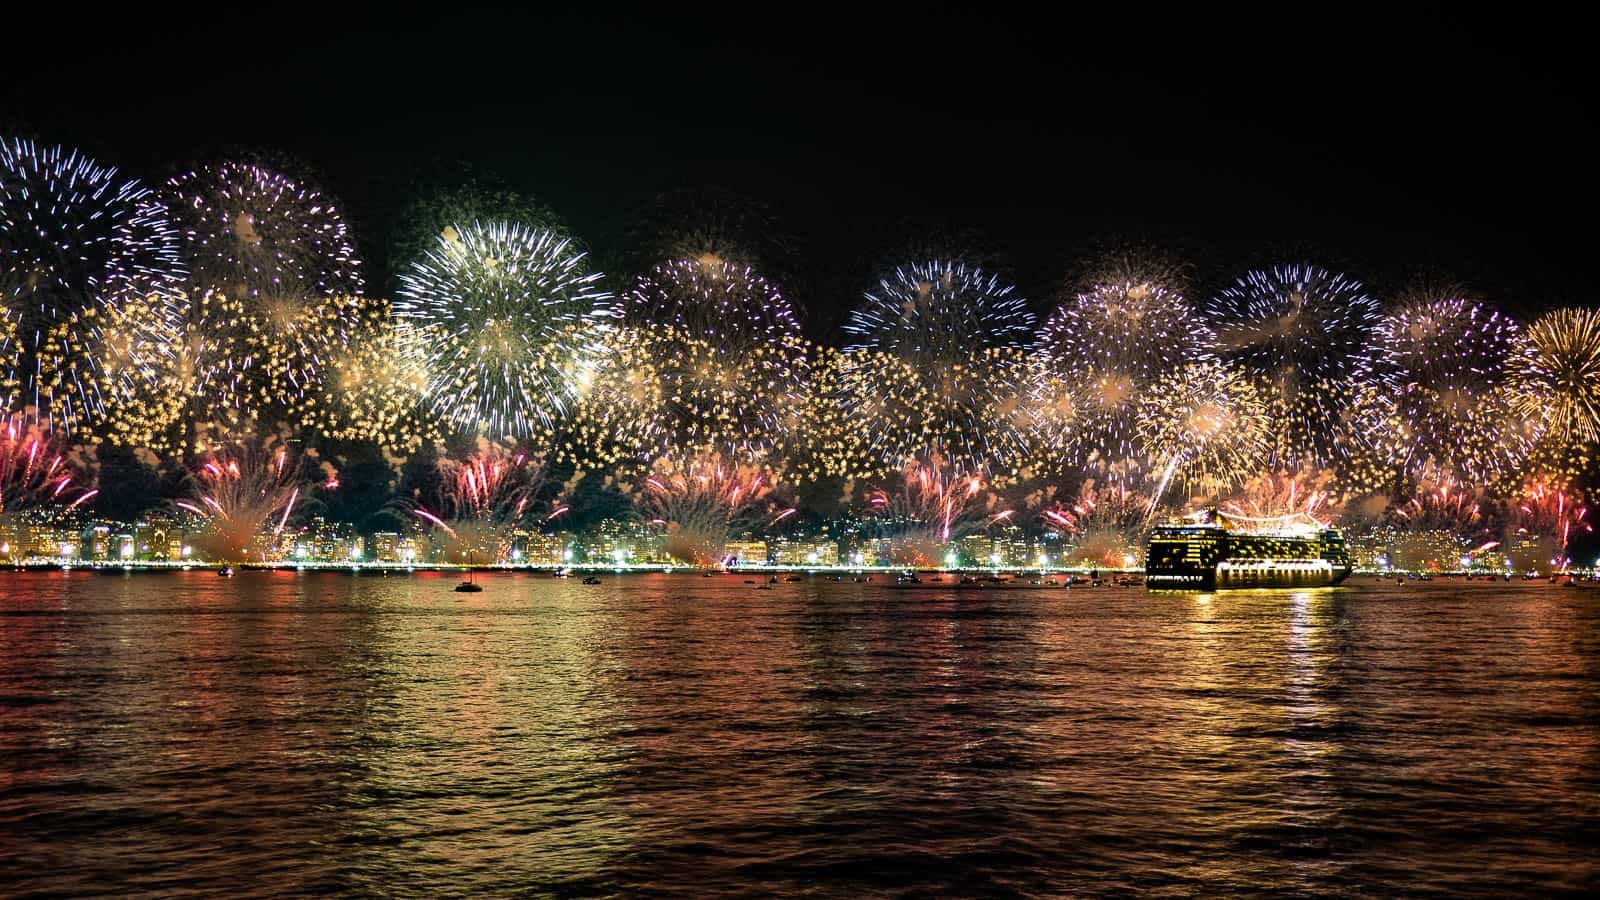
469, 587
226, 571
794, 578
591, 580
978, 584
562, 573
863, 580
772, 580
749, 581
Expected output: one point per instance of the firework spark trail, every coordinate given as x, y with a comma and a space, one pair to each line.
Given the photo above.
1161, 486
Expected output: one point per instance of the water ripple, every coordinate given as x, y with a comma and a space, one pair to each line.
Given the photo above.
308, 733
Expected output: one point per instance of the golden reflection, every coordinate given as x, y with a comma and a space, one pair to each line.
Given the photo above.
1252, 721
501, 699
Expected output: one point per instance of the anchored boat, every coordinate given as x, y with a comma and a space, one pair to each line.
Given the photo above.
977, 583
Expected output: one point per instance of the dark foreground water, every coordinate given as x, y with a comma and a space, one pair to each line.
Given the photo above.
671, 734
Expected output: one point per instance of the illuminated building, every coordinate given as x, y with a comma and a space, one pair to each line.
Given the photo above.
614, 540
1427, 551
386, 546
806, 551
541, 549
747, 552
95, 542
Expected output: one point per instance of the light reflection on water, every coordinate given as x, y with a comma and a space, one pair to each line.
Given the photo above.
312, 732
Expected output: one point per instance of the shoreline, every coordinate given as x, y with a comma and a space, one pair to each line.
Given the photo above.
391, 569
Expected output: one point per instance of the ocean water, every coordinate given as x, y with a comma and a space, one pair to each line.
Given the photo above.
296, 733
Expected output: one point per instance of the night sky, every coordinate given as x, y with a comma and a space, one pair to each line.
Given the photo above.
1432, 153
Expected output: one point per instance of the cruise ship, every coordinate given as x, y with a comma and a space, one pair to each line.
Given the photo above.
1213, 550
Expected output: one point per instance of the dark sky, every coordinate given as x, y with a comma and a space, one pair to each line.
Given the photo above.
1391, 149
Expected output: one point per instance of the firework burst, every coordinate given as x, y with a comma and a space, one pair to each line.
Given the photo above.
1048, 414
709, 222
1302, 332
275, 286
376, 389
243, 499
1105, 522
35, 475
885, 412
1109, 344
935, 505
83, 254
1448, 415
668, 392
938, 368
1554, 380
703, 502
726, 304
483, 500
1545, 520
256, 235
248, 361
514, 324
1205, 426
935, 313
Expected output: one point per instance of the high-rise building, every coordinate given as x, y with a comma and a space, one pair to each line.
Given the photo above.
747, 552
386, 546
